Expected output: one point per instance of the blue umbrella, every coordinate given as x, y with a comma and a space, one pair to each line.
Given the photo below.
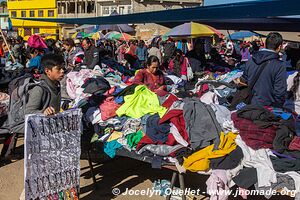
241, 35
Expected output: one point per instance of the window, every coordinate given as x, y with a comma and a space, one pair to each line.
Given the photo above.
50, 13
113, 8
105, 10
41, 13
23, 13
31, 13
27, 31
129, 9
36, 30
13, 13
121, 10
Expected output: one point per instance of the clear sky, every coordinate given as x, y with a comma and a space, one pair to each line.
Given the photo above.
216, 2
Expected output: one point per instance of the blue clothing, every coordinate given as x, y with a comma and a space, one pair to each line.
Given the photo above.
111, 147
35, 63
141, 53
271, 87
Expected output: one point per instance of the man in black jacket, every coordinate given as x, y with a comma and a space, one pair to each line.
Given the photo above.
91, 54
270, 89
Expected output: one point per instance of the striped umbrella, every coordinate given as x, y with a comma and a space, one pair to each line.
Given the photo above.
111, 35
123, 36
193, 29
98, 35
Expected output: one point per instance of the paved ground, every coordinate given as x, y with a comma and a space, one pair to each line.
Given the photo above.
119, 173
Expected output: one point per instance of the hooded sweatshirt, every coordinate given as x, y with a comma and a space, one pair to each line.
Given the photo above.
37, 96
270, 89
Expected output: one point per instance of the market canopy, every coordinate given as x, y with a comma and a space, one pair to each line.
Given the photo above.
218, 16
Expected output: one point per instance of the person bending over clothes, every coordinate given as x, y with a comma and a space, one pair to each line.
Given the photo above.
152, 77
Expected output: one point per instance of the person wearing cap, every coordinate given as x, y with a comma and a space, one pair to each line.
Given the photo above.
78, 44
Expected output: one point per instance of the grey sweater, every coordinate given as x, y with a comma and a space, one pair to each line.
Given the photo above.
38, 97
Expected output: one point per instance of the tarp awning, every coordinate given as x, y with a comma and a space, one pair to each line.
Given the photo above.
231, 16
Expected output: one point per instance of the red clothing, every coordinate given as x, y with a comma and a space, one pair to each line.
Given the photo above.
183, 66
295, 144
175, 116
252, 135
152, 81
108, 108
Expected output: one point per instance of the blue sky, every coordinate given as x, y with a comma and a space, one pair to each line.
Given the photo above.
215, 2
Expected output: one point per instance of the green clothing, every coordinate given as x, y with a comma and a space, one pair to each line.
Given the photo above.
142, 102
134, 138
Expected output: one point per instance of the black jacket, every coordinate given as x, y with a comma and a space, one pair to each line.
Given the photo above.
91, 57
271, 87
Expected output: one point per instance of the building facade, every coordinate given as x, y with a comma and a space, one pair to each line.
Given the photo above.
33, 9
95, 8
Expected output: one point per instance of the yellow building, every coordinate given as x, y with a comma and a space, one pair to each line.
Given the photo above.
33, 9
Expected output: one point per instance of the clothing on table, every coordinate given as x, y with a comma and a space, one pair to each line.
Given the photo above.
201, 124
155, 130
283, 181
108, 108
246, 178
217, 185
131, 125
175, 116
142, 102
111, 147
134, 138
295, 144
261, 116
75, 80
285, 164
209, 98
199, 161
230, 161
97, 85
146, 140
260, 160
284, 136
114, 136
174, 131
129, 90
160, 150
252, 135
223, 115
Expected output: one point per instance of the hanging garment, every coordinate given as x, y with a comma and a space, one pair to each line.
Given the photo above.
142, 102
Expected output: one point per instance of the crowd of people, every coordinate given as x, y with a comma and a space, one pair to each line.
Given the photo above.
115, 78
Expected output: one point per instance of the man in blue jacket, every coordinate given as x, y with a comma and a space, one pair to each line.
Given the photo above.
271, 87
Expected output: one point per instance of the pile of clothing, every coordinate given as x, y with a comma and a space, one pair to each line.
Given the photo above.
197, 134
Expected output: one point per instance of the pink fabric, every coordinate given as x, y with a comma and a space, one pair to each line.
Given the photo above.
243, 193
217, 182
295, 144
75, 80
108, 108
37, 42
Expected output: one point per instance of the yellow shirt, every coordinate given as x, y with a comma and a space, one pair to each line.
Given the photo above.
199, 161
